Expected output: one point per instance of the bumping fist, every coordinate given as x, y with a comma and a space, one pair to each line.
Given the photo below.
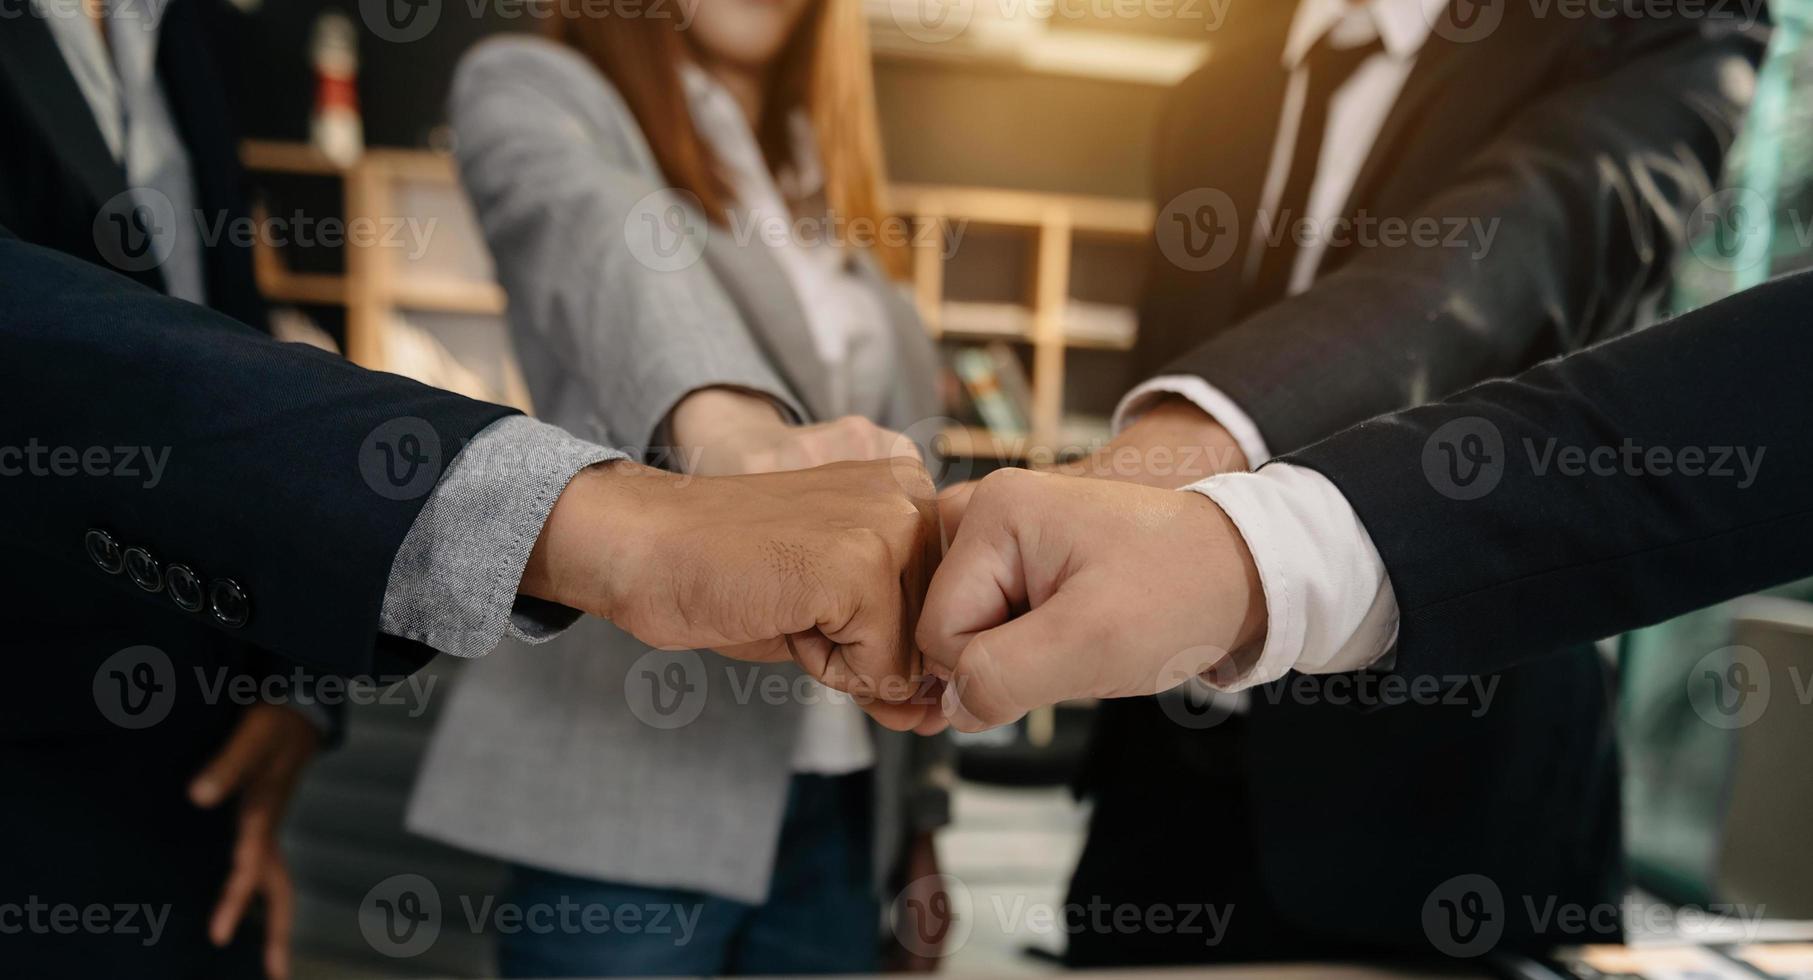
1058, 587
826, 565
723, 432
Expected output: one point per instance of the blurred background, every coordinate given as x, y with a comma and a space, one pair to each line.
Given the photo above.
1021, 152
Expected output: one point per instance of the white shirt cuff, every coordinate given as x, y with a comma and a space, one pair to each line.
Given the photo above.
1328, 600
1204, 396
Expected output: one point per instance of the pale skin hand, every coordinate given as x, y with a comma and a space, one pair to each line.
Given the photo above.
724, 432
833, 559
259, 766
1174, 444
1060, 588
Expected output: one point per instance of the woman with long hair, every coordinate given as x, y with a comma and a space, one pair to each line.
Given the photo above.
684, 203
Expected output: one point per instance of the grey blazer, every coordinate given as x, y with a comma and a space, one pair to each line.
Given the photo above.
578, 755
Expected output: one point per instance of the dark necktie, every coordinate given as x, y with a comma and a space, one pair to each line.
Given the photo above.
1328, 68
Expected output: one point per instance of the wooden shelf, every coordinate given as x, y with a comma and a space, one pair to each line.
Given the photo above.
448, 296
972, 442
1052, 223
1136, 59
265, 156
1078, 342
1091, 216
376, 283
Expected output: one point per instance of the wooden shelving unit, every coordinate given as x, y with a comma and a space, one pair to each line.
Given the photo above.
377, 282
1052, 224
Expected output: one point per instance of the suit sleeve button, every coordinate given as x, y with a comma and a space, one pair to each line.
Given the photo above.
229, 603
144, 570
184, 588
103, 551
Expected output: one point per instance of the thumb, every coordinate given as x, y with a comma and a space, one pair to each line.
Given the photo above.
245, 750
953, 503
1037, 659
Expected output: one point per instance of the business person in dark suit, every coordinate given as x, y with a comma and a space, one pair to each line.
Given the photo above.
1550, 165
281, 520
120, 151
1607, 490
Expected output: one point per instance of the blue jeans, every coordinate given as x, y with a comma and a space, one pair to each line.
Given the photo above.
821, 915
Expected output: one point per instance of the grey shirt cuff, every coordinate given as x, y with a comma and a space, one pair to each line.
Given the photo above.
453, 583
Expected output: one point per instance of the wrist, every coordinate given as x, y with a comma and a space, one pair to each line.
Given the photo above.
1172, 445
1237, 583
597, 536
704, 416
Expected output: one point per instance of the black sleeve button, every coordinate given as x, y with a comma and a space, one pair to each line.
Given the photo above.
184, 588
229, 603
103, 551
144, 570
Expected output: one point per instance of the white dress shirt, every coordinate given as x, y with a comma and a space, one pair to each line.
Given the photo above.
119, 81
1328, 600
849, 330
1343, 591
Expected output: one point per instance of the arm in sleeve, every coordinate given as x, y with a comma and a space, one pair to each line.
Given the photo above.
253, 462
1587, 191
1643, 478
565, 192
453, 584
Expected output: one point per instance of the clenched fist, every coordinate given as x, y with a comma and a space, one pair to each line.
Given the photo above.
1059, 587
826, 565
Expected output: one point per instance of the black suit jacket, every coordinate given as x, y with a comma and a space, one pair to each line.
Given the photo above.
56, 173
1584, 144
1531, 551
263, 485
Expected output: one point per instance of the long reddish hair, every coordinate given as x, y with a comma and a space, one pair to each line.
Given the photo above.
823, 69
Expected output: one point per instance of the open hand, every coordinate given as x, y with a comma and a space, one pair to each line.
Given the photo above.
258, 768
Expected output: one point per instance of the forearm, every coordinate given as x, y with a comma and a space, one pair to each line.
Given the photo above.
1663, 472
572, 215
1571, 218
250, 462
